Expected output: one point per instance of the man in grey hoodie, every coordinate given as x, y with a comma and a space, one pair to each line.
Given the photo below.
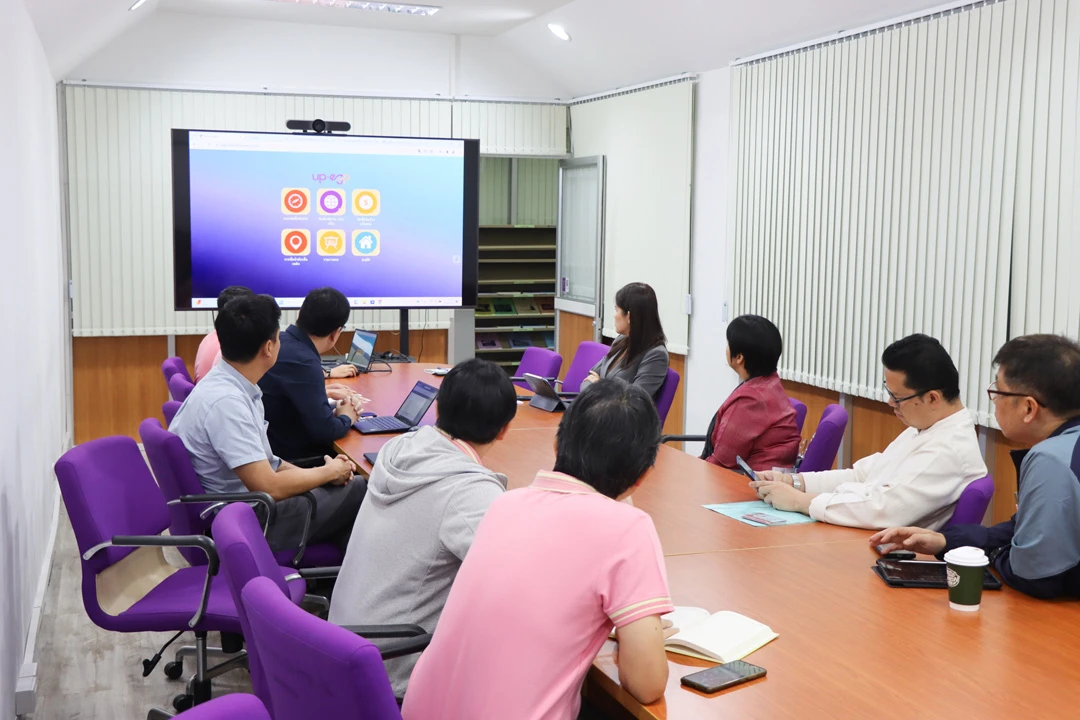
426, 496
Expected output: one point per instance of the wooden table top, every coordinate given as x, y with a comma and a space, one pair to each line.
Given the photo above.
852, 647
388, 390
849, 646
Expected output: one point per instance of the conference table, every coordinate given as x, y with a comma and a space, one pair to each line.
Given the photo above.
849, 646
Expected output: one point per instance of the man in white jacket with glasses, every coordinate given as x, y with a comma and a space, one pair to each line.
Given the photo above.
919, 477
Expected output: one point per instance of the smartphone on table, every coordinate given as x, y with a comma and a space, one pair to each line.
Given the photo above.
723, 676
764, 519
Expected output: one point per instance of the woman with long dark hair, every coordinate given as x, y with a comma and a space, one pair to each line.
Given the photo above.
638, 355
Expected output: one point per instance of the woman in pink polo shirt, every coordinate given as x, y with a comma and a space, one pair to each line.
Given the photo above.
552, 569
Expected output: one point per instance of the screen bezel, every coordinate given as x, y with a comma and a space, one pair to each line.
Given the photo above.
181, 180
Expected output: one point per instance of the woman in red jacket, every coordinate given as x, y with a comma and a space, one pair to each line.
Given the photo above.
756, 422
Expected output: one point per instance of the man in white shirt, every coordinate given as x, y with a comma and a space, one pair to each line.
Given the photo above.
920, 475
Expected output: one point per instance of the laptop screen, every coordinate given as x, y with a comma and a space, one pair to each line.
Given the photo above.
363, 346
417, 403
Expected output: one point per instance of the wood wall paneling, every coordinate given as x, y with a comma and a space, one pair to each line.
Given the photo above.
1004, 472
573, 330
873, 427
118, 384
187, 347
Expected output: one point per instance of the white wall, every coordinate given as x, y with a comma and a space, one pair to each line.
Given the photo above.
709, 379
35, 358
176, 50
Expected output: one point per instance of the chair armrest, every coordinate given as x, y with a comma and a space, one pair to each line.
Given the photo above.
261, 498
408, 646
312, 505
522, 378
309, 462
320, 573
369, 632
683, 438
199, 541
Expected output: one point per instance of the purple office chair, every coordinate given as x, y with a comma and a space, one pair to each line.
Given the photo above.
191, 508
239, 706
175, 366
821, 451
118, 515
975, 498
313, 668
537, 361
666, 395
169, 410
800, 412
245, 556
588, 354
180, 387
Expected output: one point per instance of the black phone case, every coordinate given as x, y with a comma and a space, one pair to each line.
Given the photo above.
700, 680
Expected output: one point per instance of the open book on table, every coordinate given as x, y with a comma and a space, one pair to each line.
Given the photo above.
720, 637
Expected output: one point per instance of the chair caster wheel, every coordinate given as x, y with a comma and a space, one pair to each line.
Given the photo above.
181, 703
174, 670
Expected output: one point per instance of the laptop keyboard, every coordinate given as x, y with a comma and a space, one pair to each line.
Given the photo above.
383, 422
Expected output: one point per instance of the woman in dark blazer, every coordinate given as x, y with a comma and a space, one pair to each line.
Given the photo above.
638, 354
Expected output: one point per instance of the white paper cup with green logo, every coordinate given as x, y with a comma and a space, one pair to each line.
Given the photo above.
965, 568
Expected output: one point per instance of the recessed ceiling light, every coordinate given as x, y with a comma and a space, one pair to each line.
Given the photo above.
136, 5
559, 31
396, 8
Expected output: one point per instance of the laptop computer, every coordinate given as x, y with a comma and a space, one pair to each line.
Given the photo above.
408, 415
545, 398
362, 350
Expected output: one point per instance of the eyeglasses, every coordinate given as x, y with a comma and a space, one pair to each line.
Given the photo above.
899, 400
991, 391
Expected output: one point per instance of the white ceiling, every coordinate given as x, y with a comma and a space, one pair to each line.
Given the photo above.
615, 42
624, 42
457, 17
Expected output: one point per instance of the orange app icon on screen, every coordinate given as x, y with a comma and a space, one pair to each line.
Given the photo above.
296, 201
295, 242
365, 202
331, 242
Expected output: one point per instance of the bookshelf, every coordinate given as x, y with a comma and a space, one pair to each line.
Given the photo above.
515, 307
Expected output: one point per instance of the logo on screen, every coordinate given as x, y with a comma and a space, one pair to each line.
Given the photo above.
365, 243
331, 202
295, 201
295, 242
365, 202
331, 242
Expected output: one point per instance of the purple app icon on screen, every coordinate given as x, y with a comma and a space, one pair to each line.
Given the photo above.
331, 202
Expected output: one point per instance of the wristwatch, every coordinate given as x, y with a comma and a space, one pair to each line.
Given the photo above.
796, 482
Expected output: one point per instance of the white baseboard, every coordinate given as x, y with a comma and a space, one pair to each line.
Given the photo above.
26, 687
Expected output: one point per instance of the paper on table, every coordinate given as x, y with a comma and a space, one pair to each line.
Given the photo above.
737, 510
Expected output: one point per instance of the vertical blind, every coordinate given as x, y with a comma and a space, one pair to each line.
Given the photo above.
119, 184
883, 184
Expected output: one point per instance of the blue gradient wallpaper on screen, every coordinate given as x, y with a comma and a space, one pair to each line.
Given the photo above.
237, 221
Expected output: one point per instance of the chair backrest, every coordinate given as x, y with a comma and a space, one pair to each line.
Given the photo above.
238, 706
314, 668
176, 477
666, 395
169, 409
971, 507
245, 555
108, 490
175, 366
821, 452
538, 361
800, 412
180, 387
588, 354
